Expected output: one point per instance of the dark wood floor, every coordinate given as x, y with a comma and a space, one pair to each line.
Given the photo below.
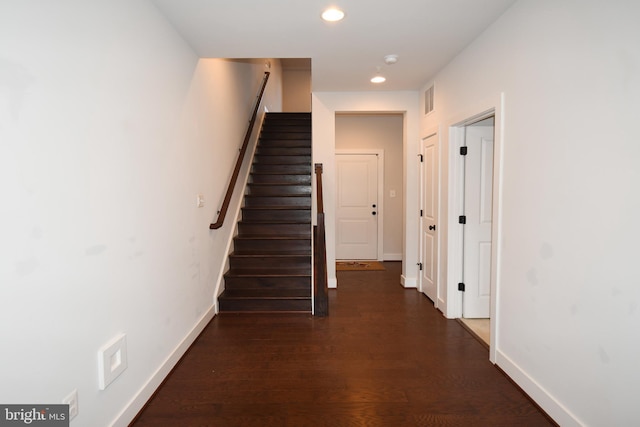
384, 357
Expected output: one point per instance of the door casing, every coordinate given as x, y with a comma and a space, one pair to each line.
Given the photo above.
492, 106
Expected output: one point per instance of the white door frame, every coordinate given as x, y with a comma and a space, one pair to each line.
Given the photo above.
437, 302
380, 214
493, 106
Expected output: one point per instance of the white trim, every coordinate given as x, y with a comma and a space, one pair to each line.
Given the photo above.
556, 410
134, 406
408, 282
332, 282
380, 154
392, 257
493, 105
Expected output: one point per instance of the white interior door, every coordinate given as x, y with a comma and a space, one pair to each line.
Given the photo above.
357, 206
478, 196
428, 218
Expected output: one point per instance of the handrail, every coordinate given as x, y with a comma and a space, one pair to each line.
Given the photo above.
320, 283
222, 213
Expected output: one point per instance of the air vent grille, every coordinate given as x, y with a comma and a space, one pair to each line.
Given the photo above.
428, 100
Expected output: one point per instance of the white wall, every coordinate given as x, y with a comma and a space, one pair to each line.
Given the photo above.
567, 309
109, 127
296, 96
325, 106
384, 132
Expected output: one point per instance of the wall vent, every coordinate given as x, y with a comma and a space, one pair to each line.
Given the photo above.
428, 100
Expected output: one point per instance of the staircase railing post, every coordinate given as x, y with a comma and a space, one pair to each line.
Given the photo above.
320, 282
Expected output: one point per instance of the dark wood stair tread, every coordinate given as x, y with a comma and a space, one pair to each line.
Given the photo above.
273, 236
272, 272
263, 293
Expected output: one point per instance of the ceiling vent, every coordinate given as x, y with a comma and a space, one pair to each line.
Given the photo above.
428, 100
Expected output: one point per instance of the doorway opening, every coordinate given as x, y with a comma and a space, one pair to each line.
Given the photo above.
474, 159
369, 186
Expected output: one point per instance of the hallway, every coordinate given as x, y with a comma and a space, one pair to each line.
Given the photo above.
383, 357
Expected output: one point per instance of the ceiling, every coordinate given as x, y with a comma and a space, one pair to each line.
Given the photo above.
425, 34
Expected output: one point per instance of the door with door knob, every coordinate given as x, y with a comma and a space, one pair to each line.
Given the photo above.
357, 206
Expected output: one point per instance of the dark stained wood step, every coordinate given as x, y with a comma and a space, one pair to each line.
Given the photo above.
261, 189
293, 159
283, 151
266, 300
274, 228
264, 262
300, 143
285, 126
278, 178
272, 244
293, 200
285, 135
281, 169
234, 281
284, 213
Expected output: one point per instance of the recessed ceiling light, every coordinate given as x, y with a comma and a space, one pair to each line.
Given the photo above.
390, 59
378, 79
332, 15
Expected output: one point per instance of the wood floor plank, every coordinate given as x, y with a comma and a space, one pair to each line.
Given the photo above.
383, 357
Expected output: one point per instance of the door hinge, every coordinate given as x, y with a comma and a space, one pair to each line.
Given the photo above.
421, 213
461, 287
421, 157
463, 151
462, 219
420, 266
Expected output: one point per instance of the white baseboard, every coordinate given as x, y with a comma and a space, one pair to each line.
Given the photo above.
332, 282
392, 257
140, 399
408, 282
542, 397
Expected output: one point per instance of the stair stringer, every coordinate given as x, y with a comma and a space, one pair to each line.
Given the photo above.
236, 204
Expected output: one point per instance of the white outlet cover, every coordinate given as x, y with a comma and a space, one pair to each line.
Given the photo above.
112, 360
72, 401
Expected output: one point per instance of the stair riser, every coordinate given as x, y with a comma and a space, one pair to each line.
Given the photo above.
248, 263
260, 305
273, 143
280, 179
273, 229
285, 135
277, 201
249, 215
267, 282
282, 127
279, 169
281, 160
283, 151
278, 190
266, 246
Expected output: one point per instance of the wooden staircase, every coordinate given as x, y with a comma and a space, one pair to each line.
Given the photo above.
270, 267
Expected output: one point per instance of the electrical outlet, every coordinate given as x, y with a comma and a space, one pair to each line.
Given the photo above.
199, 200
72, 401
